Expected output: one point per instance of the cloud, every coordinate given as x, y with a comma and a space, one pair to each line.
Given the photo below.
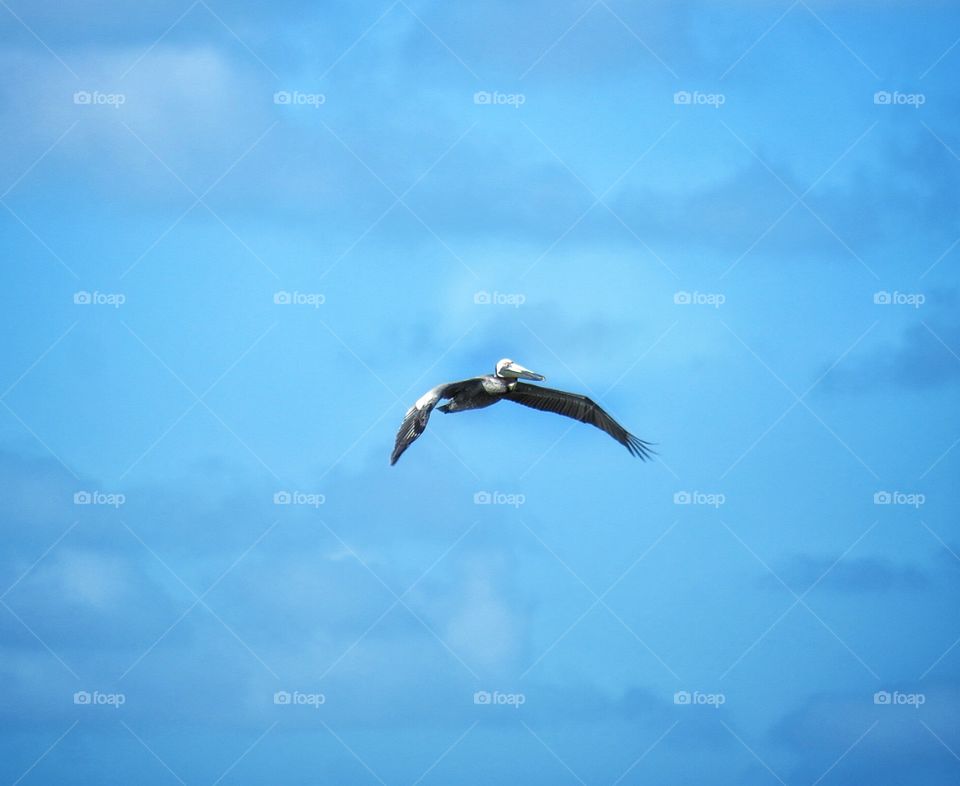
290, 605
189, 108
567, 40
866, 202
293, 607
849, 575
895, 744
106, 23
36, 493
922, 358
199, 107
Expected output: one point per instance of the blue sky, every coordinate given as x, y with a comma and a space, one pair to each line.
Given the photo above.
733, 225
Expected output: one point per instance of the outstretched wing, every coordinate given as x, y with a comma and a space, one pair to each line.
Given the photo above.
573, 405
415, 421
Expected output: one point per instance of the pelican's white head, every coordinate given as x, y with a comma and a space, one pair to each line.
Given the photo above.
508, 369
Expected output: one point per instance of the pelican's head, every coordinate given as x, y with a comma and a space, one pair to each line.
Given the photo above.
508, 369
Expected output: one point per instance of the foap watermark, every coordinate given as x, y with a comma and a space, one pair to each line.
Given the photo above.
114, 500
499, 698
696, 98
913, 500
684, 298
496, 98
884, 298
298, 498
498, 498
96, 98
692, 698
896, 98
714, 500
284, 298
84, 298
487, 298
896, 698
296, 698
98, 699
296, 98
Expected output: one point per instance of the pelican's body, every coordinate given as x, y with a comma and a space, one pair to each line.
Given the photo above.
479, 392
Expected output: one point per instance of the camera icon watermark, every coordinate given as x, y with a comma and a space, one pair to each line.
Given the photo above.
884, 298
312, 500
96, 98
696, 98
114, 500
499, 498
897, 698
296, 698
692, 698
96, 698
896, 98
84, 298
712, 499
296, 98
496, 98
486, 298
684, 298
497, 698
285, 298
914, 500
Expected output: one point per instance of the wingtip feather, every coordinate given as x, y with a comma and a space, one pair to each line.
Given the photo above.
640, 448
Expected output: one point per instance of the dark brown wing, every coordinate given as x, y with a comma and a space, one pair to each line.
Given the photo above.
573, 405
415, 421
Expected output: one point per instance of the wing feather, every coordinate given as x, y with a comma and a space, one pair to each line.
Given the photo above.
573, 405
415, 421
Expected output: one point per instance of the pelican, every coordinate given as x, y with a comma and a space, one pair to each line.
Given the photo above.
504, 385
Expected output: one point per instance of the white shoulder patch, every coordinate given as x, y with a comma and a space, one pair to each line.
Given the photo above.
425, 399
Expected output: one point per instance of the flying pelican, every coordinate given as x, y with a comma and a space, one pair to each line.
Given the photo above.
483, 391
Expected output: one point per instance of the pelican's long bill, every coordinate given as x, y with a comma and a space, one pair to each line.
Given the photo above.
515, 371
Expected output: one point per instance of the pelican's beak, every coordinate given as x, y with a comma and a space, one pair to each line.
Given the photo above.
525, 373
